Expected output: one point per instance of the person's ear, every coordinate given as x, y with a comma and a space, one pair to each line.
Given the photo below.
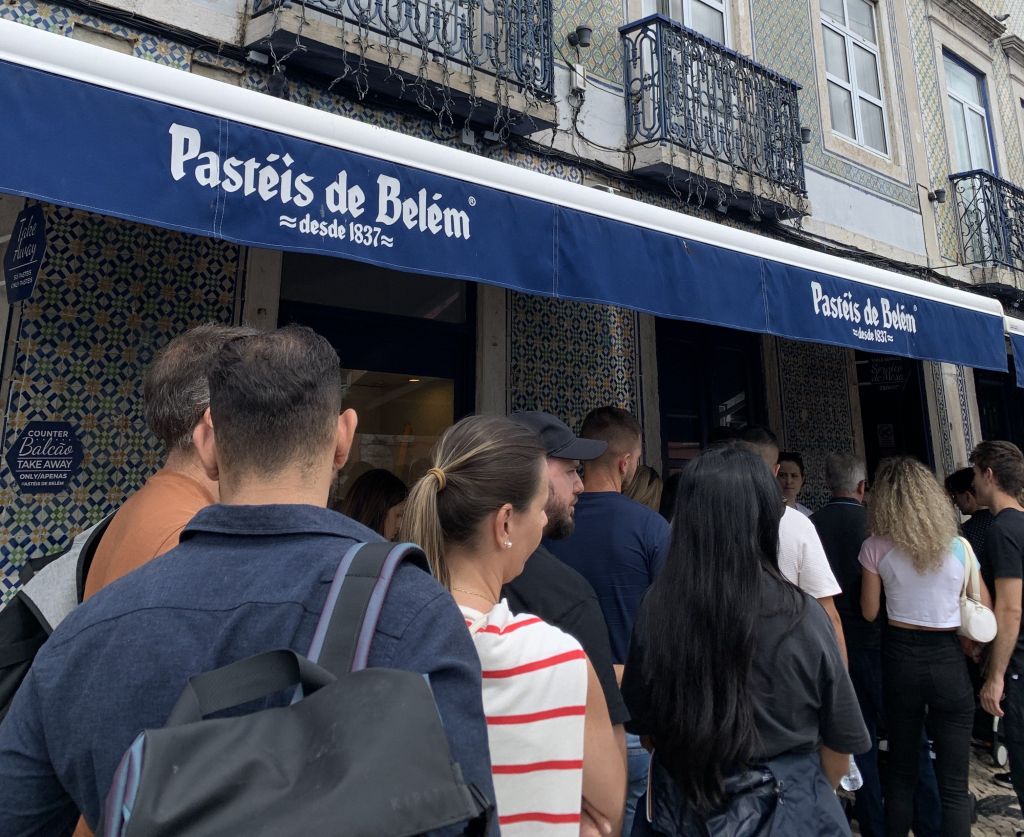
347, 423
205, 445
500, 526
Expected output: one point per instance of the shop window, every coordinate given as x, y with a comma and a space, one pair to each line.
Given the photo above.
853, 71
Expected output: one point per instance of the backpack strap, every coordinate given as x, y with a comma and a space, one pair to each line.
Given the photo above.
88, 552
354, 601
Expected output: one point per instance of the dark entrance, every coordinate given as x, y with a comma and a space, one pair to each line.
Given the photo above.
407, 345
708, 378
1000, 404
892, 404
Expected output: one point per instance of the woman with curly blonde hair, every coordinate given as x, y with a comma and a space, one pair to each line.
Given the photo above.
915, 556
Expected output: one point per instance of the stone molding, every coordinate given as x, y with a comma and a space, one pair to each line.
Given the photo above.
973, 16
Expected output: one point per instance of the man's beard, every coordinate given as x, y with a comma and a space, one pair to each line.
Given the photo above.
560, 523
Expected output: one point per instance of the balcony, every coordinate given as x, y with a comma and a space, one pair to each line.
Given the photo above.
708, 117
989, 219
487, 61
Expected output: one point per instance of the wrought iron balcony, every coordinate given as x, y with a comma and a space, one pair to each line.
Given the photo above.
990, 219
725, 111
508, 40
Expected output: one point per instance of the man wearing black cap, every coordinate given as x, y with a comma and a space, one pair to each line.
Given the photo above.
550, 589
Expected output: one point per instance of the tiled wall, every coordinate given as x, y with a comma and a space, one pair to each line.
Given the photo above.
569, 357
108, 295
817, 415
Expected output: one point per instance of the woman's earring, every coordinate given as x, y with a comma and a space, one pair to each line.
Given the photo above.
508, 544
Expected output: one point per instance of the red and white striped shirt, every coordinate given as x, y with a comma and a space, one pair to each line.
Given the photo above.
535, 696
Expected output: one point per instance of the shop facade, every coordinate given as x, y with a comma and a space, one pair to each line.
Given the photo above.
425, 342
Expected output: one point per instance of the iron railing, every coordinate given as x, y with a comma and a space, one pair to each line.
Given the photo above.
509, 39
990, 219
686, 89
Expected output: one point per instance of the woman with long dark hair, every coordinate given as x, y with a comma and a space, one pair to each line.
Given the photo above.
734, 675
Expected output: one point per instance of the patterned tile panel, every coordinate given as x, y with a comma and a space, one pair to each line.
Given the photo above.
109, 294
1007, 103
568, 357
817, 415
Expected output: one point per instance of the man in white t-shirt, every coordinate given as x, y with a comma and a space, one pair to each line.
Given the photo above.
802, 558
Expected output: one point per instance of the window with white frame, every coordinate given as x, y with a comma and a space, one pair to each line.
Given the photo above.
853, 72
968, 117
705, 16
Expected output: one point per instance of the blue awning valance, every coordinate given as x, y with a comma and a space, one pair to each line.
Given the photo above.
116, 135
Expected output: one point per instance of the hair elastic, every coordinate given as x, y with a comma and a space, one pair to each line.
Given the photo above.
442, 481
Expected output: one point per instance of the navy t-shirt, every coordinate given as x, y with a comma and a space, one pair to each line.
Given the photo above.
618, 546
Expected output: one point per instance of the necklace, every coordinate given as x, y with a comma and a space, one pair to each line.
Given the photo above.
488, 599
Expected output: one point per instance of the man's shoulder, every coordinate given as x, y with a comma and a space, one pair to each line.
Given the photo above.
1010, 522
547, 579
796, 527
839, 515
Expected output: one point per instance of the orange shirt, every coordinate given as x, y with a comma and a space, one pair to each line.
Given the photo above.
147, 525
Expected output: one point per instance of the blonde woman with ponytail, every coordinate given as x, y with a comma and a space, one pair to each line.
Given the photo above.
478, 514
915, 556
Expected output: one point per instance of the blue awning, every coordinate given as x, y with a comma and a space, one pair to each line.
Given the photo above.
88, 128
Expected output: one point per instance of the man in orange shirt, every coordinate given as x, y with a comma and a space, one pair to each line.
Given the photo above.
176, 395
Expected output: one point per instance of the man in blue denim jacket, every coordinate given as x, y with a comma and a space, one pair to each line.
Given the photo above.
250, 574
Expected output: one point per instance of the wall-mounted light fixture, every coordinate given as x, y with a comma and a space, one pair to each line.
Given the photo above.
938, 196
580, 37
805, 135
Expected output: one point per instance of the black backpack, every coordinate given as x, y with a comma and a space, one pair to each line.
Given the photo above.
50, 588
359, 751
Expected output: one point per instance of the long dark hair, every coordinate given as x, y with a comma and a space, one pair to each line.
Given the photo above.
372, 496
699, 620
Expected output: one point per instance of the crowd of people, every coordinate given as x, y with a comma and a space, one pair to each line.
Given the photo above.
609, 654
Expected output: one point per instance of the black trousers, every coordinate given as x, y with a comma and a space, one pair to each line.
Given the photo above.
925, 683
1013, 729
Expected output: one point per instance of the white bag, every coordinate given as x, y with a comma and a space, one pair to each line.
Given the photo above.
977, 622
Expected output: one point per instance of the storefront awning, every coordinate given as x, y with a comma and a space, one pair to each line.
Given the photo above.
88, 128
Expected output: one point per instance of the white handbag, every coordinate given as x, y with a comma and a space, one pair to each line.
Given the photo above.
977, 622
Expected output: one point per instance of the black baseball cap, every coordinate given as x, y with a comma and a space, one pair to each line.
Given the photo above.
558, 440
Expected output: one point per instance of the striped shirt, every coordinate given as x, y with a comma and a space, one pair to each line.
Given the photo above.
535, 695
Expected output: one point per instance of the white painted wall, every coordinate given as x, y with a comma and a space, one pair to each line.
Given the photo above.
221, 20
845, 207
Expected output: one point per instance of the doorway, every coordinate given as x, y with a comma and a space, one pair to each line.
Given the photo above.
708, 378
407, 345
893, 412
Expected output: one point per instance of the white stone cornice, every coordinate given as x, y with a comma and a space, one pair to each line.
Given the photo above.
1013, 46
973, 16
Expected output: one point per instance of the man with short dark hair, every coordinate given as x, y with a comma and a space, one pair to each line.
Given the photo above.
550, 588
176, 394
250, 575
998, 482
619, 546
960, 485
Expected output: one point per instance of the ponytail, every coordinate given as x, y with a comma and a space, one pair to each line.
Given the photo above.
421, 524
477, 466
